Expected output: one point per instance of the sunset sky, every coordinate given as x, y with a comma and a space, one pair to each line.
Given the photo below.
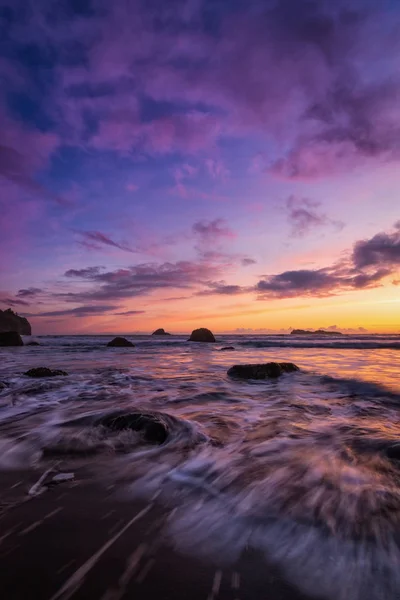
233, 164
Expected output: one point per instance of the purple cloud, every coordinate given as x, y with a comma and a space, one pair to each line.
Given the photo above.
96, 240
382, 249
130, 313
29, 292
80, 311
212, 231
247, 262
304, 216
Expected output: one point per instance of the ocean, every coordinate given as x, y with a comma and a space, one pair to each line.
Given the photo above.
303, 468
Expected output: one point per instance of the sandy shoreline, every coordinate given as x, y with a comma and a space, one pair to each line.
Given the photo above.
76, 540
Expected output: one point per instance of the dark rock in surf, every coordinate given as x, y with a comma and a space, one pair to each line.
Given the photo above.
32, 344
160, 332
152, 428
120, 342
3, 386
226, 348
270, 370
10, 338
202, 335
45, 372
10, 321
393, 452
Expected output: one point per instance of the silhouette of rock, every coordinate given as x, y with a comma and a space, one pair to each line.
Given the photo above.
225, 348
201, 335
318, 332
261, 371
152, 428
393, 452
44, 372
120, 342
10, 338
160, 332
10, 321
32, 344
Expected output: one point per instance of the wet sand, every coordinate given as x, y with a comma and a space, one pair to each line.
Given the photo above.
76, 540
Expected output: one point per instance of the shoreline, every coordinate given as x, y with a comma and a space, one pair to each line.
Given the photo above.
78, 540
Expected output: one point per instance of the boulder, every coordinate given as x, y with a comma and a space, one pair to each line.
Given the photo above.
120, 342
10, 321
160, 332
225, 348
152, 428
261, 371
393, 452
201, 335
10, 338
44, 372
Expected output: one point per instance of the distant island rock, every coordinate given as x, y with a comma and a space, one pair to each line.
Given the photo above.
10, 338
10, 321
120, 342
201, 335
270, 370
318, 332
160, 332
39, 372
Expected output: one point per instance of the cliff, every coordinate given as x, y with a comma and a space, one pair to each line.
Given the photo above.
10, 321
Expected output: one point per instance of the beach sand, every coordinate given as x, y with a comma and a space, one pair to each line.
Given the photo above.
78, 540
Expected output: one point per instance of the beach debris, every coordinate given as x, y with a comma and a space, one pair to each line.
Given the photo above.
61, 477
262, 371
201, 335
10, 338
120, 342
44, 372
38, 487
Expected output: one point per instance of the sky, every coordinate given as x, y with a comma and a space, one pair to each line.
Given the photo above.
228, 164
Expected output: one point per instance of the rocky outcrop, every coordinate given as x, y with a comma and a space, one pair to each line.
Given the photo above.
10, 321
318, 332
32, 344
226, 348
120, 342
44, 372
10, 338
151, 427
270, 370
201, 335
160, 332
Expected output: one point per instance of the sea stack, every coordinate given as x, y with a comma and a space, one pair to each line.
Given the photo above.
10, 338
120, 342
160, 332
11, 322
202, 335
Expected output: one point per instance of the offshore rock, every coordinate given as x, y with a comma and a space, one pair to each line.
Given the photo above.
10, 321
44, 372
270, 370
120, 342
10, 338
202, 335
160, 331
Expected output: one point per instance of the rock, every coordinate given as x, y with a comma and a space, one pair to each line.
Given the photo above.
44, 372
32, 344
3, 386
10, 321
318, 332
393, 452
160, 332
262, 371
10, 338
225, 348
120, 342
201, 335
151, 426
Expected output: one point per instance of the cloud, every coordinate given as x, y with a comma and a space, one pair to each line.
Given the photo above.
138, 280
129, 313
381, 250
29, 292
96, 240
212, 231
13, 302
304, 216
367, 265
222, 288
80, 311
246, 262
